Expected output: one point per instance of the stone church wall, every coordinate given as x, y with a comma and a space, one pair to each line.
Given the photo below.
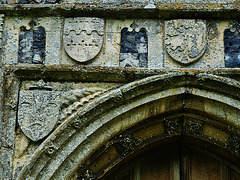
57, 57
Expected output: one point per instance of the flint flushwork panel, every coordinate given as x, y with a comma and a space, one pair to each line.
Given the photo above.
232, 46
32, 46
1, 29
134, 48
187, 43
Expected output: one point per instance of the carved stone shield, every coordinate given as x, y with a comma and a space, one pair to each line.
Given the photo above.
185, 39
38, 112
83, 37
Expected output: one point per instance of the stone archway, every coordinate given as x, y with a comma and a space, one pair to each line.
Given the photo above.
176, 158
180, 103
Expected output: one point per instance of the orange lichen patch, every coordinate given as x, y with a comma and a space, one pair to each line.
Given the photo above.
125, 6
198, 6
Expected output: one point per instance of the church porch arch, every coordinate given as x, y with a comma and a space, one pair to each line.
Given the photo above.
211, 100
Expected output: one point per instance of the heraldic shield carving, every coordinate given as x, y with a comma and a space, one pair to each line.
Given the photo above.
83, 37
185, 39
38, 112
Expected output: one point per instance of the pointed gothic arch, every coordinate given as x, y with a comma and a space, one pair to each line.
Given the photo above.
105, 122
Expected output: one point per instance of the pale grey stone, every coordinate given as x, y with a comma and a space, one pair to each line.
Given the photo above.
129, 60
1, 29
38, 112
83, 37
53, 30
150, 1
5, 163
185, 40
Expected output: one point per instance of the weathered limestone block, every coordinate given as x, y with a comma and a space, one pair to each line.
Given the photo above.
83, 37
148, 52
29, 1
71, 97
150, 1
5, 163
32, 40
44, 105
8, 97
188, 45
1, 99
38, 110
76, 99
1, 29
111, 52
185, 40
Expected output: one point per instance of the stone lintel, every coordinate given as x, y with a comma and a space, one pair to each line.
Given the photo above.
104, 74
194, 10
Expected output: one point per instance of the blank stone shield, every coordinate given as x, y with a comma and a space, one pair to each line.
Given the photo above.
83, 37
185, 39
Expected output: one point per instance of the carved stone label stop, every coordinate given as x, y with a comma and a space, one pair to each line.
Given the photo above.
185, 39
83, 37
38, 112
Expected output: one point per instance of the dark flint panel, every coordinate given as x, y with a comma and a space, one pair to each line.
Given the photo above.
25, 49
232, 48
39, 41
128, 48
143, 60
32, 46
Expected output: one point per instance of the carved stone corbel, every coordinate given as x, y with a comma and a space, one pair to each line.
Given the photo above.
173, 126
126, 144
194, 127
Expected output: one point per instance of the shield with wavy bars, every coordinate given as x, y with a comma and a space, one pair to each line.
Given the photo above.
83, 37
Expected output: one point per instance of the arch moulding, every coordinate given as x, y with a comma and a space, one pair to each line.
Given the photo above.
161, 106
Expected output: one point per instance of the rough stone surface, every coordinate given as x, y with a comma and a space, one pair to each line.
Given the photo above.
6, 163
188, 44
38, 111
32, 46
8, 123
118, 49
83, 37
1, 29
157, 71
129, 106
232, 46
33, 51
185, 40
134, 47
150, 4
112, 54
